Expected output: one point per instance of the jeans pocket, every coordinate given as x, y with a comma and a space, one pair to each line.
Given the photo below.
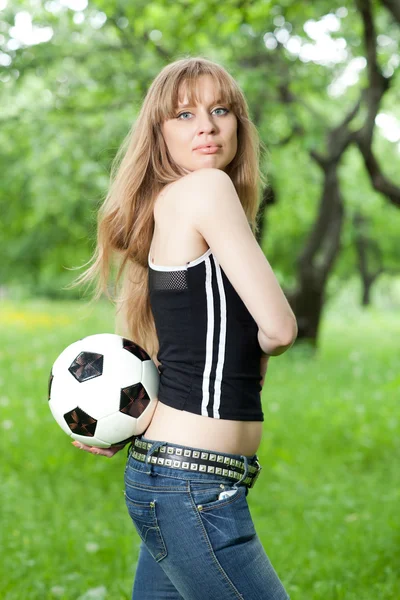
205, 495
227, 521
144, 517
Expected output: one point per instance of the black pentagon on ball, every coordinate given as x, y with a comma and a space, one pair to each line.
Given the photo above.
86, 365
80, 422
133, 348
133, 400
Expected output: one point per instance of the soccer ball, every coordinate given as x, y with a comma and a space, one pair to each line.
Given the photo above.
103, 390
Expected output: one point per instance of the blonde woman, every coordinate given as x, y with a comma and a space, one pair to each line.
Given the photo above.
199, 295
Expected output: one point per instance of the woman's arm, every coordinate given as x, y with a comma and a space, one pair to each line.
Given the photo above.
270, 347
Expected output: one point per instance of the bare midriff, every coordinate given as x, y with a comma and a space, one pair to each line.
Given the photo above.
177, 246
188, 429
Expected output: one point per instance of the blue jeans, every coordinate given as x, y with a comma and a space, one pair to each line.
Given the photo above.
194, 546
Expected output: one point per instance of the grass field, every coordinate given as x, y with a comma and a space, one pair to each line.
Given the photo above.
326, 506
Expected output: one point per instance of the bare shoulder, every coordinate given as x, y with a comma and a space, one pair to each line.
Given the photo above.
198, 191
207, 177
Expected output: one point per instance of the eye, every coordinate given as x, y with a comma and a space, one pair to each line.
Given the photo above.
184, 113
221, 108
189, 113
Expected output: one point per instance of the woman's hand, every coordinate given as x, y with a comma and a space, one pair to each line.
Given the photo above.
103, 451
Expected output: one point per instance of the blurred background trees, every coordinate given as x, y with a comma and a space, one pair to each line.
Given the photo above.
322, 85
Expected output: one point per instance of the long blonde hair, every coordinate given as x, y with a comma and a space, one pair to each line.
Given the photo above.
141, 168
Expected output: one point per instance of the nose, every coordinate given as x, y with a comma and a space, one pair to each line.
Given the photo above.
205, 123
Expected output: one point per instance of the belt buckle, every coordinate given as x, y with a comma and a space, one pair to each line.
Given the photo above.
259, 467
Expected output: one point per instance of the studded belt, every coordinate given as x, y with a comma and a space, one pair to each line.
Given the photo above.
188, 459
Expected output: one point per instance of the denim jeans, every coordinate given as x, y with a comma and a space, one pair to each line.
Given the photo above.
194, 546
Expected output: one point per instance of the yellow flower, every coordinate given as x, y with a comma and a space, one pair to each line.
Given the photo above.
32, 319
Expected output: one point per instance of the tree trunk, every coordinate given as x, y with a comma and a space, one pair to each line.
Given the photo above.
366, 292
319, 255
268, 198
369, 257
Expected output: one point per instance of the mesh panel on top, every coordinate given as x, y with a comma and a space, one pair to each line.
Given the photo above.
167, 280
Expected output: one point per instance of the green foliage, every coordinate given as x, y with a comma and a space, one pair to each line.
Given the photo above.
68, 103
325, 505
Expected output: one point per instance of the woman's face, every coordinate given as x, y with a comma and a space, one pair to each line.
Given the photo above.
208, 123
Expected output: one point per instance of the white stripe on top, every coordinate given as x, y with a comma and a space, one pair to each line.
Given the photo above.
209, 338
189, 264
222, 342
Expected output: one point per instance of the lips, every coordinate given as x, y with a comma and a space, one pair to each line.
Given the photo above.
203, 146
207, 149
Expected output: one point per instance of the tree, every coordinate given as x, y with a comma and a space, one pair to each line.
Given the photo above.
71, 99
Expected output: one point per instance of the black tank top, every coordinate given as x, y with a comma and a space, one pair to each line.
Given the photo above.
209, 351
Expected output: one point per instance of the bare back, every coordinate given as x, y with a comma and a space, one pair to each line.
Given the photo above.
176, 242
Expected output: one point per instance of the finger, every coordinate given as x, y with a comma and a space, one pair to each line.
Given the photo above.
104, 452
81, 446
101, 451
94, 450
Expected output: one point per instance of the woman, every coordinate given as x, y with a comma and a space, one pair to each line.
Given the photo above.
199, 295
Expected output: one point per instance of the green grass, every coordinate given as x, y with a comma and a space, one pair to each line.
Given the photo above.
326, 505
